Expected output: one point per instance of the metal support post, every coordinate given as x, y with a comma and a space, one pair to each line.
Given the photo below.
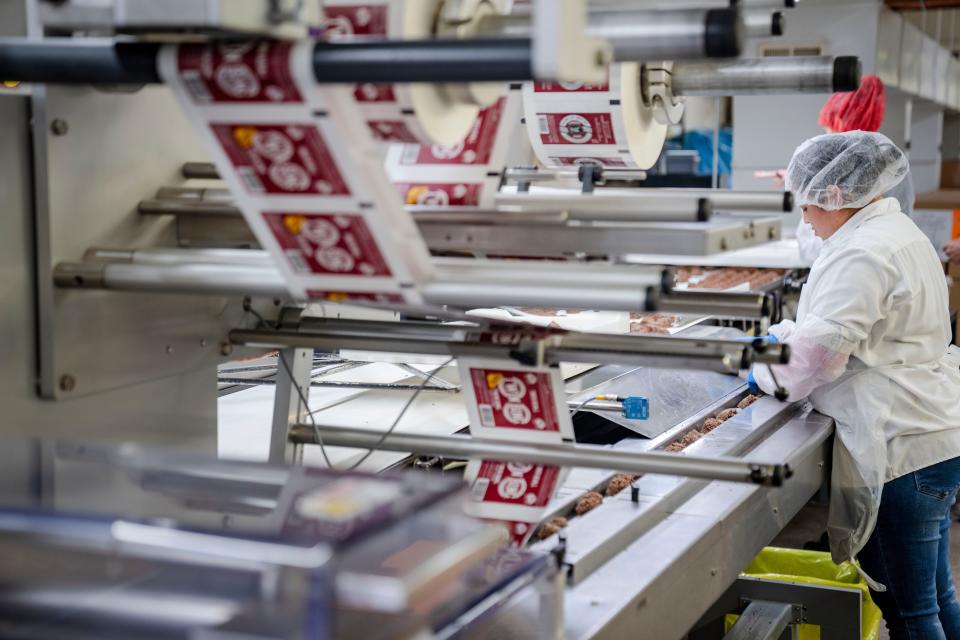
290, 402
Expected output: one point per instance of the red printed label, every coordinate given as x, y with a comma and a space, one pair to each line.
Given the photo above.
563, 87
242, 72
354, 296
515, 399
440, 195
516, 483
476, 148
391, 131
374, 93
328, 244
281, 159
576, 128
355, 20
576, 161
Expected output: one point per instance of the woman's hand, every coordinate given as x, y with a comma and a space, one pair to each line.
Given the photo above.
952, 249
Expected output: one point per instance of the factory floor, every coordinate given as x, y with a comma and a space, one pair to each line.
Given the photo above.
811, 522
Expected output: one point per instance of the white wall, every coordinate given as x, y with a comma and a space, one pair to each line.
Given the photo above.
767, 129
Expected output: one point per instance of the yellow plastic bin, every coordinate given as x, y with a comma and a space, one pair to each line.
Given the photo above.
813, 567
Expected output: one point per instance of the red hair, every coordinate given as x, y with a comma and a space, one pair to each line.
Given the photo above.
860, 110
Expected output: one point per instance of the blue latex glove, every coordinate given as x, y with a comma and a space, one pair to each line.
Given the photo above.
752, 384
767, 339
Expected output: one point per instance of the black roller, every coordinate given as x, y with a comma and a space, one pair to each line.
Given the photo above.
724, 33
475, 60
651, 301
846, 73
73, 62
778, 23
704, 209
788, 201
78, 62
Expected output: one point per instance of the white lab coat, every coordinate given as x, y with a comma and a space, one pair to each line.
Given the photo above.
870, 348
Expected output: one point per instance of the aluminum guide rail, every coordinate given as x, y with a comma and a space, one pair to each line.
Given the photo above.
716, 355
728, 469
569, 285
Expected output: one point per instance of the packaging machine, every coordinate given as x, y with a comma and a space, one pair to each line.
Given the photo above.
289, 233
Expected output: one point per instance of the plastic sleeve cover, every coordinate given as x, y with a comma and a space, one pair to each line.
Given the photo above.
848, 298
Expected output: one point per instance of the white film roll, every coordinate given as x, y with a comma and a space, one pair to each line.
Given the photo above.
609, 125
407, 113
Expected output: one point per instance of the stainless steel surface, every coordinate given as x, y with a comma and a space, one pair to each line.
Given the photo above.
717, 303
835, 610
772, 201
655, 35
199, 278
716, 468
290, 402
697, 549
541, 174
674, 395
596, 239
92, 346
762, 621
762, 24
711, 355
468, 284
188, 207
163, 256
757, 76
637, 205
203, 170
635, 35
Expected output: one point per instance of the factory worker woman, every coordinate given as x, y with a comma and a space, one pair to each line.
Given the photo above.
860, 110
870, 348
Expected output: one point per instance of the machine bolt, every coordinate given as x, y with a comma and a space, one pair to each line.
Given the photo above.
59, 127
67, 382
226, 348
169, 349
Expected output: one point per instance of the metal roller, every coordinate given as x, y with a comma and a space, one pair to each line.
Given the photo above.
611, 205
96, 61
723, 199
763, 24
819, 74
680, 34
560, 286
726, 356
593, 457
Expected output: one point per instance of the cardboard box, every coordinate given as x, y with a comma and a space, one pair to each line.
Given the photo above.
950, 174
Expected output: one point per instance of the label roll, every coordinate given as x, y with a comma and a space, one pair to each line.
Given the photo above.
316, 203
408, 113
570, 124
469, 173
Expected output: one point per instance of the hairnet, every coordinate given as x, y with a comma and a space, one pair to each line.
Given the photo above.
861, 110
844, 170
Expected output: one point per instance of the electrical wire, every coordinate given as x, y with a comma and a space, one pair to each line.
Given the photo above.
399, 417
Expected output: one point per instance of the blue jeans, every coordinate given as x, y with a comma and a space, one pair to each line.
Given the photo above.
909, 552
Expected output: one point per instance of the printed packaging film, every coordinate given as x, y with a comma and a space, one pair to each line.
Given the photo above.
406, 113
510, 402
469, 173
570, 124
317, 201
